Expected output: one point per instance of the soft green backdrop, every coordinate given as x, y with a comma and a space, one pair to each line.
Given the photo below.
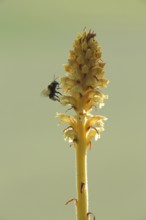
37, 173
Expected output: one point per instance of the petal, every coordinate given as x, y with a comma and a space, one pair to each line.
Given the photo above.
70, 135
68, 100
66, 119
92, 134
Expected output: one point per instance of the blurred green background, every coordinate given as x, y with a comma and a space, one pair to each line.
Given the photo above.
37, 168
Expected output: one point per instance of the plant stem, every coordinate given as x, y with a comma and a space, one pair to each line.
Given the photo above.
81, 171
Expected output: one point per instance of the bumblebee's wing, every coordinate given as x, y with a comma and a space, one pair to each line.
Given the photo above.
45, 92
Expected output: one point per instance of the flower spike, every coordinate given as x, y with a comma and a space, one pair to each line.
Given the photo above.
81, 91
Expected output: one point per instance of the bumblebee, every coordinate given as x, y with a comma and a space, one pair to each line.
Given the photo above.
52, 92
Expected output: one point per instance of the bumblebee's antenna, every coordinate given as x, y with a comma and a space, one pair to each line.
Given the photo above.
55, 78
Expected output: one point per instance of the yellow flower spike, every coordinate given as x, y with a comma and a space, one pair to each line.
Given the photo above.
81, 89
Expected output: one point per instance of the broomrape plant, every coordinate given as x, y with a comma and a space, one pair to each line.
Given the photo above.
81, 89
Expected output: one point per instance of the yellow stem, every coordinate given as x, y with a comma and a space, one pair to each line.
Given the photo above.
81, 171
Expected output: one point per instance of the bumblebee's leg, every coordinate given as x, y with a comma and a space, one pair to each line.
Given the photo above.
56, 98
58, 93
69, 108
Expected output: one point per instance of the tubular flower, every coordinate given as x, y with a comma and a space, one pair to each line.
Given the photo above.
81, 87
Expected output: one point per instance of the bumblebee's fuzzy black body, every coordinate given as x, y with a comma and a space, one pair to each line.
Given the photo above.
52, 89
